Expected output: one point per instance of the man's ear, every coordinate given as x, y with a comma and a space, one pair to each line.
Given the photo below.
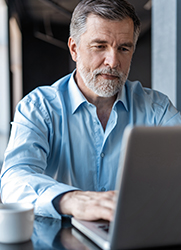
73, 48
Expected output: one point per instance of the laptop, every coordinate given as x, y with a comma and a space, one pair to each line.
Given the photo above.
148, 210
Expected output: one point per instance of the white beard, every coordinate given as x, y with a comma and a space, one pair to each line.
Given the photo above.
102, 87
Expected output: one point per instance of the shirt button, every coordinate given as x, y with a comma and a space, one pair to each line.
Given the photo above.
103, 189
102, 155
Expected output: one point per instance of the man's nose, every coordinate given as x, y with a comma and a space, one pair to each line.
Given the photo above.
112, 59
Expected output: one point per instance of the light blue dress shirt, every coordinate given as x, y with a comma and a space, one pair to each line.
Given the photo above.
57, 142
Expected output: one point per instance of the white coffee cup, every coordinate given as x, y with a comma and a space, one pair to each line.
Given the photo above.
16, 222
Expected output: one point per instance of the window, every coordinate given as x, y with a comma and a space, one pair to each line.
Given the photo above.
4, 80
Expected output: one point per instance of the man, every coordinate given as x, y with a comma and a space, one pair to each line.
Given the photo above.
65, 141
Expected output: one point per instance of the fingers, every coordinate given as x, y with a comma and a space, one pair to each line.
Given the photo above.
89, 205
95, 212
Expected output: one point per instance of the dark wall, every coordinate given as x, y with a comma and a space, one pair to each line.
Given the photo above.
141, 63
43, 63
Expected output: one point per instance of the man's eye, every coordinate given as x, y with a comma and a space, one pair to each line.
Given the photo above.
124, 49
100, 46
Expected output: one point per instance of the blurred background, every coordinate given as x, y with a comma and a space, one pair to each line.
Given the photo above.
33, 49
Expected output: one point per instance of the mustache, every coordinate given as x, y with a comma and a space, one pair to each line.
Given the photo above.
109, 71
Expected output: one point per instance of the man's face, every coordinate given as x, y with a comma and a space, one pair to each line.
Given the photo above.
104, 55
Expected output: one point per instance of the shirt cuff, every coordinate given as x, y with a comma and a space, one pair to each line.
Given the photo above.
44, 204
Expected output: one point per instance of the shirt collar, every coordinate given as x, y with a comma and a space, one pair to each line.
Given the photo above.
122, 97
77, 98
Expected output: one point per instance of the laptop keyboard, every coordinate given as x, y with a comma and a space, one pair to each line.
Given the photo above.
104, 227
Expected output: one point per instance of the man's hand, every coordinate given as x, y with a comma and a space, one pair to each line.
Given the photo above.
89, 205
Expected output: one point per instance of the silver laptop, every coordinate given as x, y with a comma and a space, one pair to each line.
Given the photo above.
148, 210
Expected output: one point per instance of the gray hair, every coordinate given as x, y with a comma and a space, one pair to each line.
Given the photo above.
115, 10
